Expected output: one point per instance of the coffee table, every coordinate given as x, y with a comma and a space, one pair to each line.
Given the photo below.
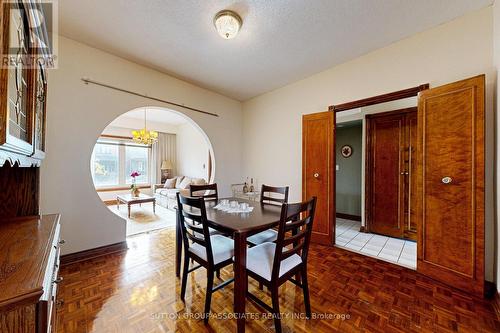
130, 200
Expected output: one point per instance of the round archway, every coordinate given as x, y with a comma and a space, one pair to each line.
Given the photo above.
139, 181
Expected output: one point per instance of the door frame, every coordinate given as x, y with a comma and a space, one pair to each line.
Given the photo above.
378, 99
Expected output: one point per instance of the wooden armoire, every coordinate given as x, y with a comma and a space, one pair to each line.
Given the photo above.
29, 242
450, 179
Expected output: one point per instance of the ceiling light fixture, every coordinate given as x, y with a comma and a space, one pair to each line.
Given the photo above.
227, 23
144, 136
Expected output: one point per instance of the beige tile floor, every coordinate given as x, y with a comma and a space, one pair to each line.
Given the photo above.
395, 250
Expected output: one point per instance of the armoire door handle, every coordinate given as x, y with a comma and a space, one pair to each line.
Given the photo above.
316, 175
446, 180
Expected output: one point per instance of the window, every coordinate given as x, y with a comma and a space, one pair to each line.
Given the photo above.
114, 160
105, 161
136, 159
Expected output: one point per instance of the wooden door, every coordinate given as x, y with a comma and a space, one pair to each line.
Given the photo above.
385, 165
318, 178
450, 177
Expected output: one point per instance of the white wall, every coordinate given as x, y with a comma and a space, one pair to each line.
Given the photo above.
78, 113
453, 51
192, 152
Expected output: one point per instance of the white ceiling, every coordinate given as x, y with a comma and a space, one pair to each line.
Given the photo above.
157, 115
281, 41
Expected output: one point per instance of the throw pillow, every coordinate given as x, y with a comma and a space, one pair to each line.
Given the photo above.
185, 183
170, 183
178, 182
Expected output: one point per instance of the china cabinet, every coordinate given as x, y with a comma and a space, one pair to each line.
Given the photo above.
29, 242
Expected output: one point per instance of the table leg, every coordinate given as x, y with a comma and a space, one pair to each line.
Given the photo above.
154, 207
178, 244
117, 204
240, 279
129, 210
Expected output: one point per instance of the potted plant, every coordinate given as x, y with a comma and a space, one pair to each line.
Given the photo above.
133, 188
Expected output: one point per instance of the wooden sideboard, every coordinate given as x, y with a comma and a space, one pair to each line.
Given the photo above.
29, 265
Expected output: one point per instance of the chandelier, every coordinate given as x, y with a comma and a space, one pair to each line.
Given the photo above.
143, 136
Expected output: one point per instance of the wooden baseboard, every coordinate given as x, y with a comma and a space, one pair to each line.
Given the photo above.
362, 229
72, 258
348, 216
110, 202
491, 293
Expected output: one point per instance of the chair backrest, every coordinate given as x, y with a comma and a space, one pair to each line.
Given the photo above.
267, 191
294, 232
192, 217
201, 191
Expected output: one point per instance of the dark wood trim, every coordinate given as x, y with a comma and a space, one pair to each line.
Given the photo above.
393, 96
362, 229
121, 188
348, 216
72, 258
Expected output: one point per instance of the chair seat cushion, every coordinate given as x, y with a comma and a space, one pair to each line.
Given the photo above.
260, 260
269, 235
222, 249
211, 231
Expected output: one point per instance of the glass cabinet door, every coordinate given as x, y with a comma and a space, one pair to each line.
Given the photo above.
19, 110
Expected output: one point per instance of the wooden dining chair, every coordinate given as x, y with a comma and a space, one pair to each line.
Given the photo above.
272, 264
201, 191
209, 193
212, 252
269, 195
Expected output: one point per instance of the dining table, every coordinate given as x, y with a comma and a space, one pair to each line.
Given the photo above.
240, 226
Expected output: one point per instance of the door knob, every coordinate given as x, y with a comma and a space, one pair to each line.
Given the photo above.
446, 180
316, 175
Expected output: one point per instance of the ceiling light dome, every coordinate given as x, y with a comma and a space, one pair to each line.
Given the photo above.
227, 23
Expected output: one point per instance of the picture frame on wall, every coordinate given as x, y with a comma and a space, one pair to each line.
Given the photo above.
346, 151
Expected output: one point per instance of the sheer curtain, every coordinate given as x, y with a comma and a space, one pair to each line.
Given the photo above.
164, 149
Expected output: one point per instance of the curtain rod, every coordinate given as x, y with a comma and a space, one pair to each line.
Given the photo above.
87, 81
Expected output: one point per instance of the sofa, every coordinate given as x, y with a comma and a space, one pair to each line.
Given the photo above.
165, 193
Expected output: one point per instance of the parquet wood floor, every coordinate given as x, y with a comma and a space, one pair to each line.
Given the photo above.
137, 291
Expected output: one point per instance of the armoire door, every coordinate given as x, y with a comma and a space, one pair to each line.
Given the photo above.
450, 211
385, 172
318, 167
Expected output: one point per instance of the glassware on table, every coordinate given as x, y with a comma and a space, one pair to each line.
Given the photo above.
224, 202
233, 204
244, 206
